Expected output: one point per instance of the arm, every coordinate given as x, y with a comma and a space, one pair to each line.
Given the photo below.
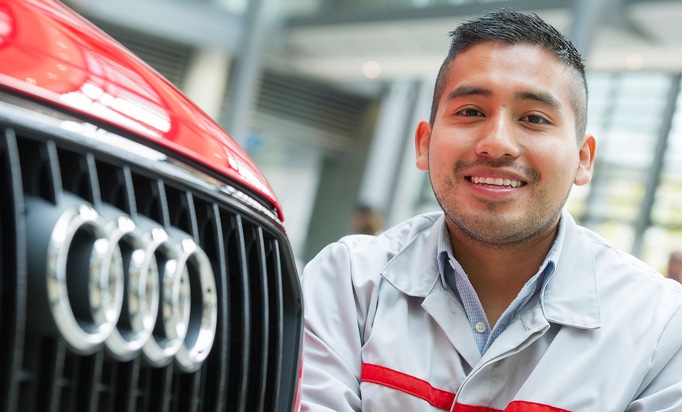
663, 383
332, 338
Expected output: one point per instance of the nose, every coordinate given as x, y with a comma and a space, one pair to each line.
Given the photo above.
498, 138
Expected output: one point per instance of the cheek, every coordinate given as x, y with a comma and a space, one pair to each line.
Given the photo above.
443, 178
442, 161
558, 160
446, 151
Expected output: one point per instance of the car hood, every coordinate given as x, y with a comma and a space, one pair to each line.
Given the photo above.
51, 53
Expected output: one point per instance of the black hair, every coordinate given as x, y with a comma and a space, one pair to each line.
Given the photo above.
514, 27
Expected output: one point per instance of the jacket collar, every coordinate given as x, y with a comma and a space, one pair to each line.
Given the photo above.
569, 298
414, 269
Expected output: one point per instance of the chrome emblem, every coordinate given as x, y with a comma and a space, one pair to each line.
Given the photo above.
131, 286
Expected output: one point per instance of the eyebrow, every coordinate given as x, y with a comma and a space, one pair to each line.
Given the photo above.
464, 91
544, 98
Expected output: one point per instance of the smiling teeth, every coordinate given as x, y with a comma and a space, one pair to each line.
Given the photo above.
497, 181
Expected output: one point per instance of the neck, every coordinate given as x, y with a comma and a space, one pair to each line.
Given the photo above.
498, 272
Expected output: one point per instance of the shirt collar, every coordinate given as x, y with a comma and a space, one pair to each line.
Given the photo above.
445, 254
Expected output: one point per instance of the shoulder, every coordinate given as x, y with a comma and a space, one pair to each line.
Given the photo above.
609, 259
395, 238
610, 283
364, 256
344, 280
626, 281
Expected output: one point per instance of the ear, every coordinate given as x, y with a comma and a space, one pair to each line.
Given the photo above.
588, 149
421, 141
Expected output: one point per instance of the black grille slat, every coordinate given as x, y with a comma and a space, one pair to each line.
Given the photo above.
134, 401
187, 392
150, 199
259, 307
276, 304
57, 379
104, 396
13, 283
209, 226
118, 187
240, 335
76, 176
260, 316
291, 338
181, 211
38, 161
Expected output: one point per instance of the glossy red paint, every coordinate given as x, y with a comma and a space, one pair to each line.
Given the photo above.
49, 52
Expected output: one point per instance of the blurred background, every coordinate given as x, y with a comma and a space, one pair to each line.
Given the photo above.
324, 95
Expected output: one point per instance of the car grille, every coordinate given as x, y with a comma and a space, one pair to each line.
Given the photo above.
253, 360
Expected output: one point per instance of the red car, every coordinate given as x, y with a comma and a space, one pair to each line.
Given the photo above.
144, 261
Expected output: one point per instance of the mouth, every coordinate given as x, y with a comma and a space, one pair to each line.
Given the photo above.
495, 181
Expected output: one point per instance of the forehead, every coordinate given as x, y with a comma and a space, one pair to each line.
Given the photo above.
506, 70
516, 65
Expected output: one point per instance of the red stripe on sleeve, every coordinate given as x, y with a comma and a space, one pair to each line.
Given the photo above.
420, 388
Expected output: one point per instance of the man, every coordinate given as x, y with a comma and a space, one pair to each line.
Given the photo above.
501, 302
675, 265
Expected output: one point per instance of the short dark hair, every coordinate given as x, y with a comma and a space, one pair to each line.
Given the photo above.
514, 27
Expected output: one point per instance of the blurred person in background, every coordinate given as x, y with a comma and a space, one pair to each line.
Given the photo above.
675, 265
501, 301
366, 221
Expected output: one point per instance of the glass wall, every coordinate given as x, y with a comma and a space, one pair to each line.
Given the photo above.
628, 116
665, 232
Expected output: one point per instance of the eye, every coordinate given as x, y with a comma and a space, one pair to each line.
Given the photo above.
535, 119
470, 113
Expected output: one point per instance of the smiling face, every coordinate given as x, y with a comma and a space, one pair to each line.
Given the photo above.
502, 151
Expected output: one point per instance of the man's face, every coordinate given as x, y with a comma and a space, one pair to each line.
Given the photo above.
502, 152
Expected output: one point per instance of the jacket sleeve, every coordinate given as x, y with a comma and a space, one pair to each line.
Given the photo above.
332, 337
663, 383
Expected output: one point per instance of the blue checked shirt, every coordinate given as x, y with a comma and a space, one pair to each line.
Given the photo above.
455, 278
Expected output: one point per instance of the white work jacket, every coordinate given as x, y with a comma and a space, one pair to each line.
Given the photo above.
384, 333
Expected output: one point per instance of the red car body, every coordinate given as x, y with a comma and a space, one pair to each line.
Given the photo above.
67, 61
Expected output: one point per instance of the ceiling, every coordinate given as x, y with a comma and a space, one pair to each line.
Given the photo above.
641, 36
408, 43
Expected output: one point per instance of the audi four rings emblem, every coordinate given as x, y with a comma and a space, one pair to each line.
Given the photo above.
132, 287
